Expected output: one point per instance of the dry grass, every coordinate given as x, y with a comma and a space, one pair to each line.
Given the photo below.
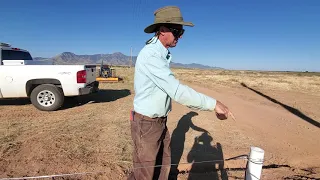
304, 82
278, 81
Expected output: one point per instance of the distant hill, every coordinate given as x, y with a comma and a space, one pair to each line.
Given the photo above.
192, 66
40, 59
112, 59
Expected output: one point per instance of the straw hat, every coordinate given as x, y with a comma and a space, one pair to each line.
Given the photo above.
167, 15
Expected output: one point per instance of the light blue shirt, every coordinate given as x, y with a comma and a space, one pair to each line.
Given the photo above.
155, 85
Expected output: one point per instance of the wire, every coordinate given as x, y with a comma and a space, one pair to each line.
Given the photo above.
86, 173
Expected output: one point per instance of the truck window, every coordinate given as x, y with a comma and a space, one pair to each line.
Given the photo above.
15, 55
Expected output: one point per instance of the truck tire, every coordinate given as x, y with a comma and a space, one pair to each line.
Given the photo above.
47, 97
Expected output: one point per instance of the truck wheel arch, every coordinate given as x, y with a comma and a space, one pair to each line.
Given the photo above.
33, 83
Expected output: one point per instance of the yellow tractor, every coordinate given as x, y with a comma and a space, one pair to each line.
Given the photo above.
107, 74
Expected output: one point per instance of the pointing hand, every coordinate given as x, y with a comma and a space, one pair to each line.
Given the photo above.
222, 111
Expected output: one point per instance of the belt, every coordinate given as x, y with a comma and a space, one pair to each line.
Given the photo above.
138, 115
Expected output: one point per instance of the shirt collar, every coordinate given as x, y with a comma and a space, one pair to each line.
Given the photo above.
164, 52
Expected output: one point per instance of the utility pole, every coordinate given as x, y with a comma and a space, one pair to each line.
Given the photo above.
130, 57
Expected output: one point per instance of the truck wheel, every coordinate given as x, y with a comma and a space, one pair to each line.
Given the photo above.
47, 97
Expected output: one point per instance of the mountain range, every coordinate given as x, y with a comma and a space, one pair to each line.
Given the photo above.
115, 59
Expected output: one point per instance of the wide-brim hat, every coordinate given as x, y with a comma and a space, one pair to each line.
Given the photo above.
167, 15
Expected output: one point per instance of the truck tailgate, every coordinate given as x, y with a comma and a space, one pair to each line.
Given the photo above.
91, 74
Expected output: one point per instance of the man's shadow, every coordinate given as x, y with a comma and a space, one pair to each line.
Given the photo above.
207, 160
178, 138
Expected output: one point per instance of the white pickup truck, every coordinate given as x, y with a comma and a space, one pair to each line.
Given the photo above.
44, 83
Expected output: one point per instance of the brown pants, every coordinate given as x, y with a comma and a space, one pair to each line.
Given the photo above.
151, 142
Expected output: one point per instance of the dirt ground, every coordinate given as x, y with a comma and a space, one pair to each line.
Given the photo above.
91, 134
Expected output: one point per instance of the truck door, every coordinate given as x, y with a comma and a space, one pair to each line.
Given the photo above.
9, 73
7, 86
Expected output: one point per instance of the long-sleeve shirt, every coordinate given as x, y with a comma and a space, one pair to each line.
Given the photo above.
156, 86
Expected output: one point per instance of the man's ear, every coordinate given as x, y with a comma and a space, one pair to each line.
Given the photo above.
162, 30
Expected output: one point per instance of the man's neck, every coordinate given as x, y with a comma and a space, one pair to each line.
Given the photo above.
163, 42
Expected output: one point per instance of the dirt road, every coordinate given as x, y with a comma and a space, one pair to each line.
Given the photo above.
289, 137
91, 134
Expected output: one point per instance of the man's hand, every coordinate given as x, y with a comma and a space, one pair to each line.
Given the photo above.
222, 111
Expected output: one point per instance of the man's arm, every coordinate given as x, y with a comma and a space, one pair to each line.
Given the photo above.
159, 72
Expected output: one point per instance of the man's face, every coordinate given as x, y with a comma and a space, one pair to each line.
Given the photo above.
172, 34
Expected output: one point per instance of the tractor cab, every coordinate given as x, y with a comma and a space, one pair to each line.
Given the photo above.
107, 74
106, 71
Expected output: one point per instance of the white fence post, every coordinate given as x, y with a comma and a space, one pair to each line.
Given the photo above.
255, 163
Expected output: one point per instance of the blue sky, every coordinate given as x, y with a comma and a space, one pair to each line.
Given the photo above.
233, 34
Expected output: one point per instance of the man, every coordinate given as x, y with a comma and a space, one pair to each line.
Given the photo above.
155, 86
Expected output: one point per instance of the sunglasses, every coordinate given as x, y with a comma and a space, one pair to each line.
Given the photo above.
176, 32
